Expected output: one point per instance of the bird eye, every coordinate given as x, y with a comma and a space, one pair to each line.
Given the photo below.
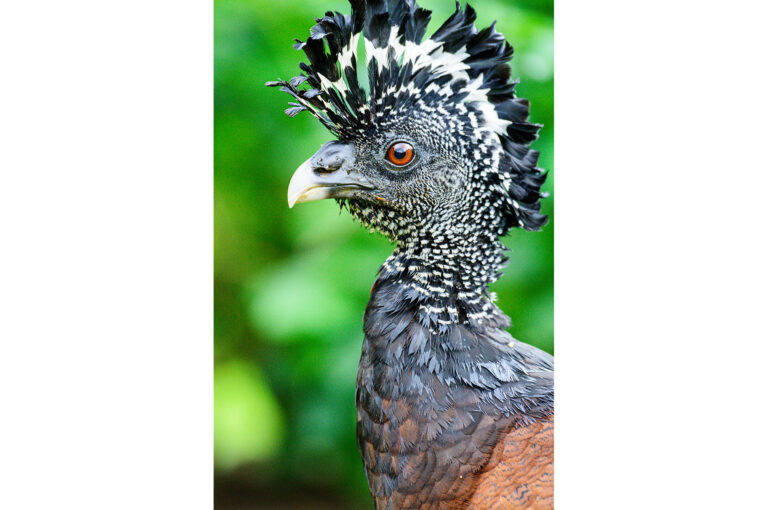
400, 153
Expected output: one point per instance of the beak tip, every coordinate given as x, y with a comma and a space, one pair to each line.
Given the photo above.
300, 182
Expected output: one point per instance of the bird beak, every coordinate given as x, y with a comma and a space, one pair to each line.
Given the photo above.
330, 173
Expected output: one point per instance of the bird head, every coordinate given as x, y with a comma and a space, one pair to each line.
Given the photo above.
435, 143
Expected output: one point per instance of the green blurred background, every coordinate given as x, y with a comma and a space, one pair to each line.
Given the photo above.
291, 284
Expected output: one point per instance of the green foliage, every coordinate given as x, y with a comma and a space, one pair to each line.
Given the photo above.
291, 284
247, 417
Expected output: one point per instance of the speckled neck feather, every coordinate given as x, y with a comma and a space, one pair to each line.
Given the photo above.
448, 279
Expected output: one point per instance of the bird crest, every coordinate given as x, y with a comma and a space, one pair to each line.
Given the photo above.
457, 80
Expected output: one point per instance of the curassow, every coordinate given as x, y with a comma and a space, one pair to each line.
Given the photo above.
452, 412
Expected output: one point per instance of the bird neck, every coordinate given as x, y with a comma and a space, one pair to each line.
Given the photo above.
447, 276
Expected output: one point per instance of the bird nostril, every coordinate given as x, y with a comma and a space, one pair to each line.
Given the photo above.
325, 169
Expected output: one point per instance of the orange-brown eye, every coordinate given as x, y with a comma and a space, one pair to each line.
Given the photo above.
400, 154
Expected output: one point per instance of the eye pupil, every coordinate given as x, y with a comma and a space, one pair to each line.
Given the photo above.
400, 153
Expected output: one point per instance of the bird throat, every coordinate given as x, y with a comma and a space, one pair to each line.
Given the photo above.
442, 265
448, 278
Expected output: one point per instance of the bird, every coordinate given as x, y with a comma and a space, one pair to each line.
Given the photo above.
431, 148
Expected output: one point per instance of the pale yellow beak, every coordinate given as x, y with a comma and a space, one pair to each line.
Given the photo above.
327, 174
307, 186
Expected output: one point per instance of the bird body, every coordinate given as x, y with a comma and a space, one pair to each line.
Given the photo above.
452, 412
441, 416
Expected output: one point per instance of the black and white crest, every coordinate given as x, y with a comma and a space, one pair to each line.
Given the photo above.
456, 81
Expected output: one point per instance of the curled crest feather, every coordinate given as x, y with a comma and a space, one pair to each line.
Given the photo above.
459, 70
